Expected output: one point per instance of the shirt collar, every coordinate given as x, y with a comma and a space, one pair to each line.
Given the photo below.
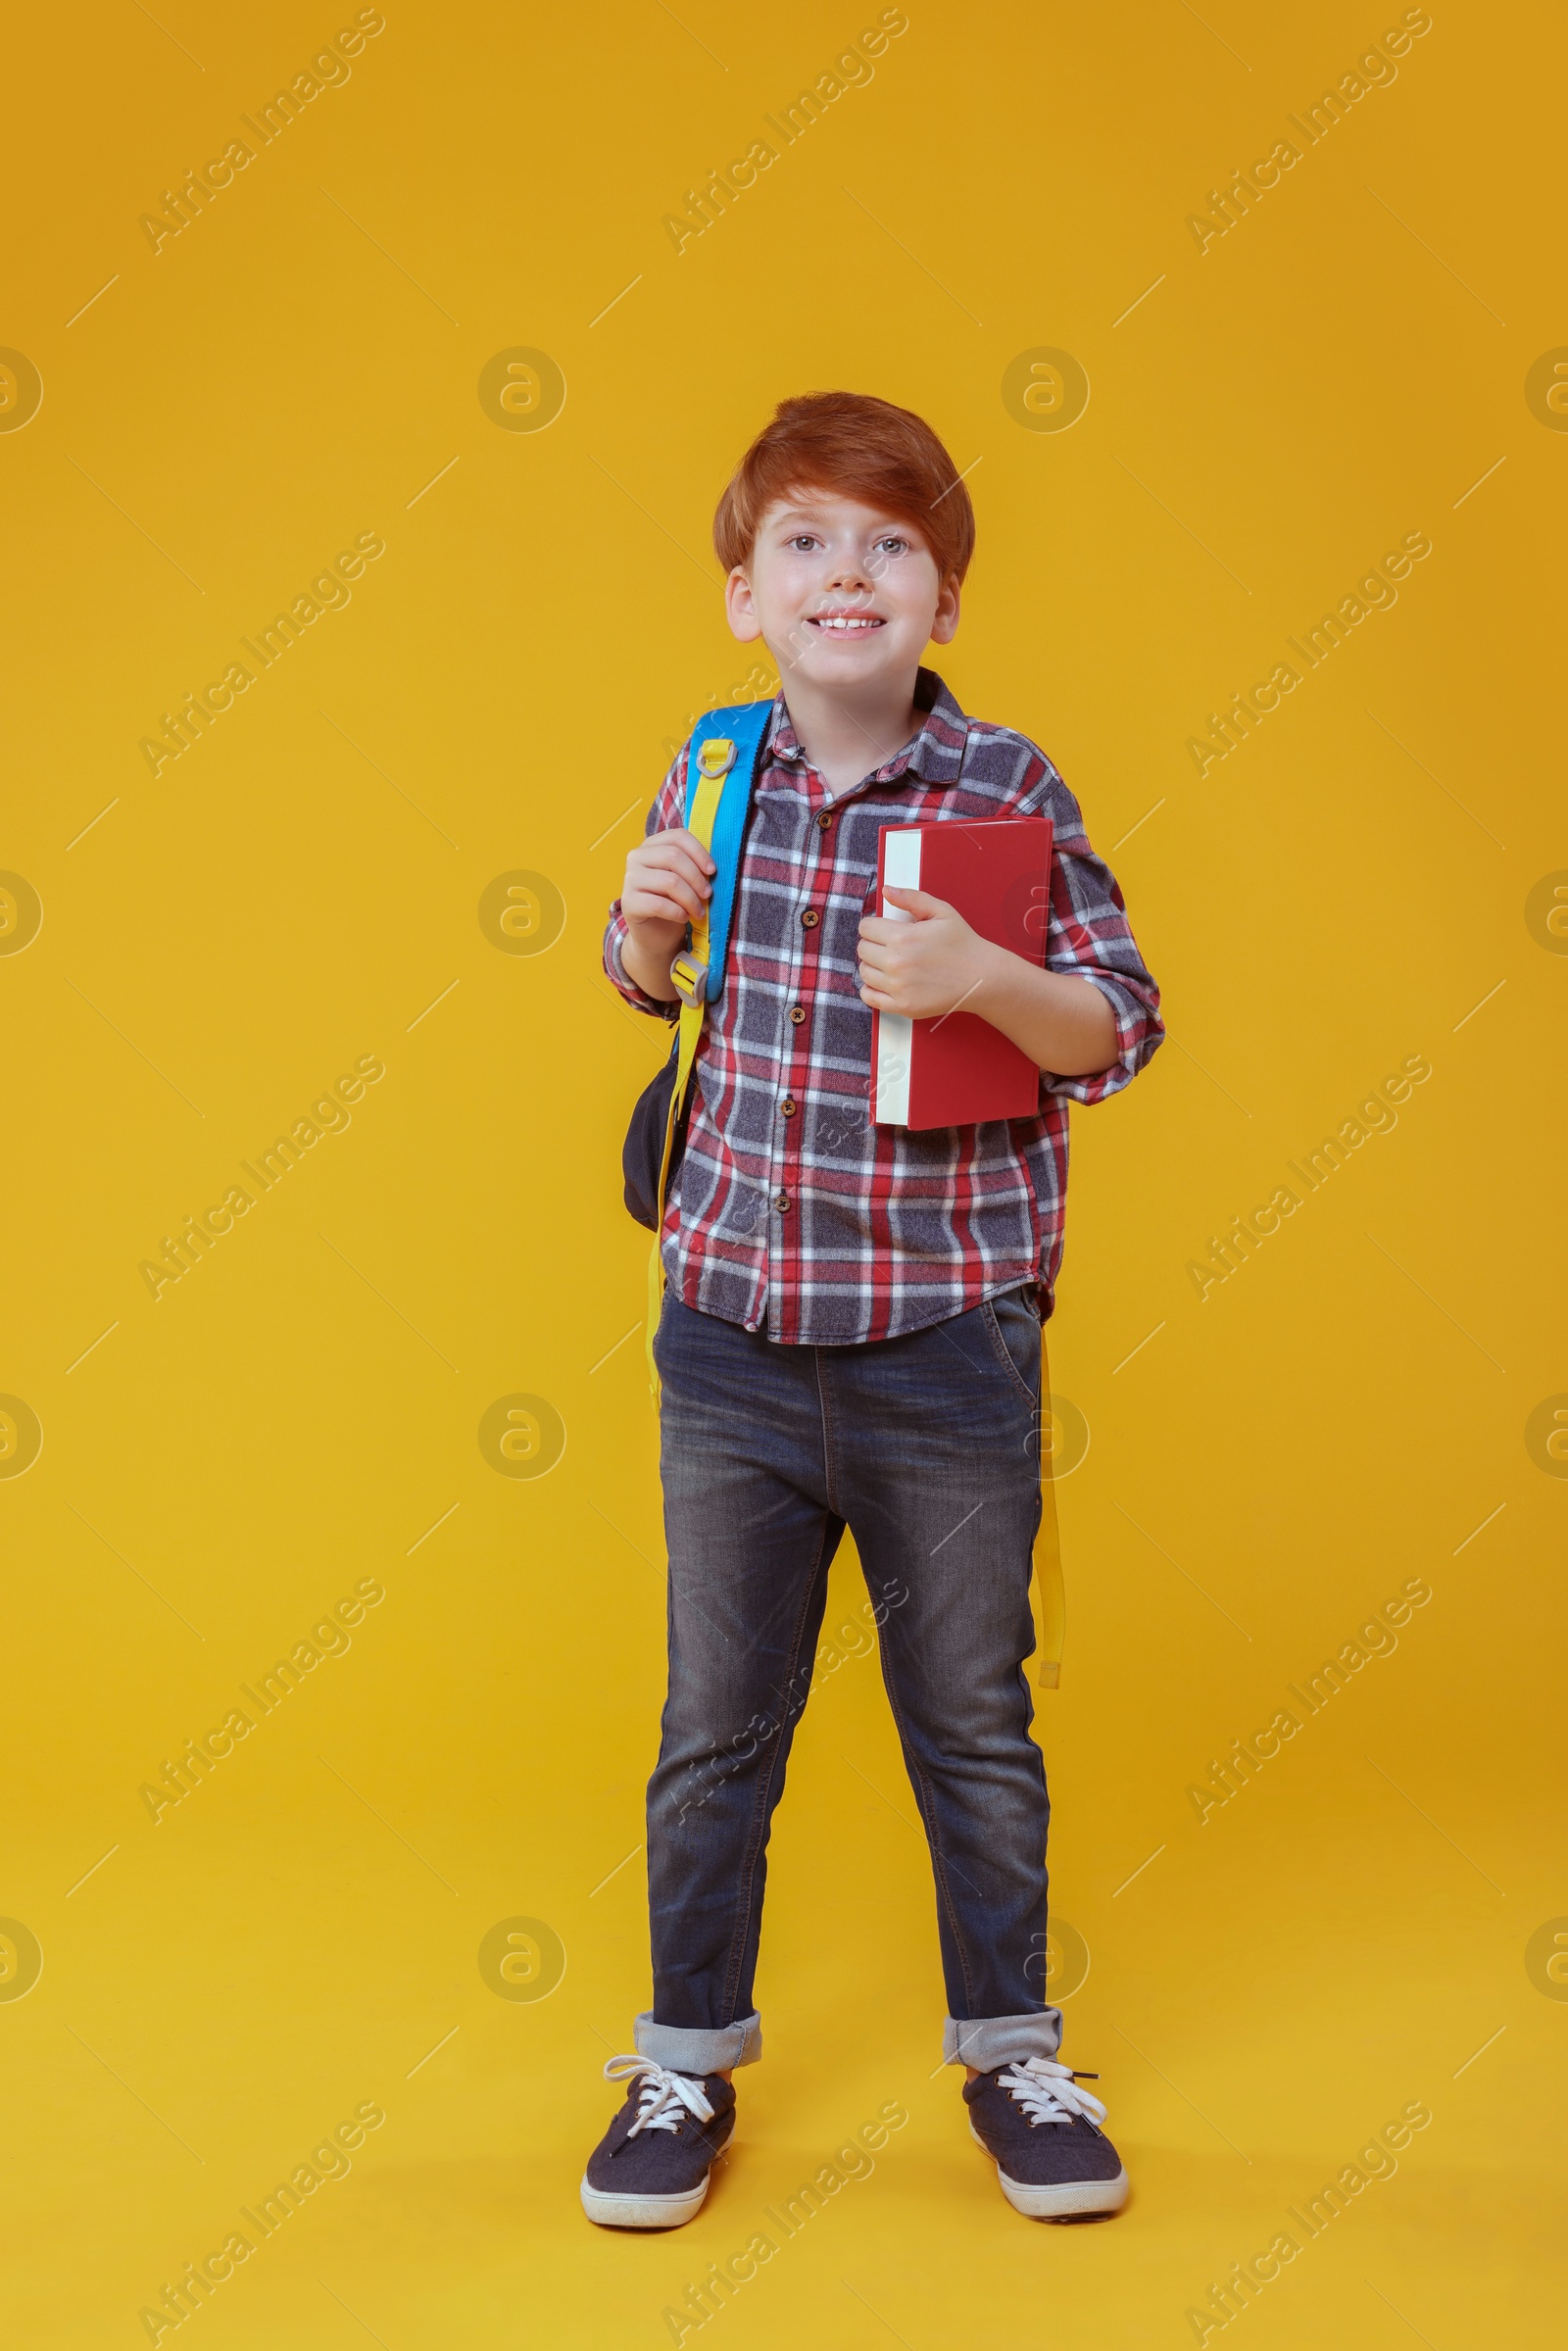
935, 755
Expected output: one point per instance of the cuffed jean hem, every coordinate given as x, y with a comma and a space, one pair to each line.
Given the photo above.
986, 2042
688, 2049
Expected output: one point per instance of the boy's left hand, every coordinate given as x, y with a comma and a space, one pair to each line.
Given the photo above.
925, 967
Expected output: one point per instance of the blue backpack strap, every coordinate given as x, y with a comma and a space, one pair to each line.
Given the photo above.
723, 759
744, 725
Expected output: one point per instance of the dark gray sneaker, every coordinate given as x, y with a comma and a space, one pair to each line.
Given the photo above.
650, 2170
1043, 2134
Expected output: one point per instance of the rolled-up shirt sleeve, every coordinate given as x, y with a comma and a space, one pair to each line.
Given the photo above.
1088, 936
668, 809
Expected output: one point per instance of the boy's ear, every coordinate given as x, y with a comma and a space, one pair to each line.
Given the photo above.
945, 623
739, 609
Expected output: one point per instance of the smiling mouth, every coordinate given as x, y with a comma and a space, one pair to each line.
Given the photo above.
845, 624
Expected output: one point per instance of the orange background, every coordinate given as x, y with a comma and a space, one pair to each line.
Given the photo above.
1368, 877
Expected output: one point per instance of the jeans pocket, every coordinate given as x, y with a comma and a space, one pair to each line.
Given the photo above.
1015, 1331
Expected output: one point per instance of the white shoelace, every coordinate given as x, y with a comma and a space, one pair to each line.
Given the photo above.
664, 2096
1049, 2093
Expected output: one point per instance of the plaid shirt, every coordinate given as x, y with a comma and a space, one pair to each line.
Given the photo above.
791, 1212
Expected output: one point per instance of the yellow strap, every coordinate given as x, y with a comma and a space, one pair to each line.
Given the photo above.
1052, 1596
705, 810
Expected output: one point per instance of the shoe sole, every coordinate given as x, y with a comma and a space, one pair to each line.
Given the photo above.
1066, 2200
641, 2212
650, 2212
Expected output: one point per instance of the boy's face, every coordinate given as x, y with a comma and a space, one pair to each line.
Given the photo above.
842, 594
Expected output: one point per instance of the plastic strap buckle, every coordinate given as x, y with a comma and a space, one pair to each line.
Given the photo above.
690, 980
716, 756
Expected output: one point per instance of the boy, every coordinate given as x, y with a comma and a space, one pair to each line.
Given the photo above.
850, 1332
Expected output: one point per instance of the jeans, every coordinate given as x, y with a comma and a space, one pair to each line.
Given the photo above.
927, 1447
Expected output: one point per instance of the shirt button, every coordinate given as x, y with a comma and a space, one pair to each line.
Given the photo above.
797, 1013
809, 919
781, 1201
824, 822
787, 1106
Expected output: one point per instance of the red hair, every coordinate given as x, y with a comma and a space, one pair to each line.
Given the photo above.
863, 447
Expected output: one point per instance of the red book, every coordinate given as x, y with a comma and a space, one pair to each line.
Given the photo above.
957, 1069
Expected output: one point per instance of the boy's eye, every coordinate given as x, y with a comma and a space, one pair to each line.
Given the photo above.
892, 546
802, 542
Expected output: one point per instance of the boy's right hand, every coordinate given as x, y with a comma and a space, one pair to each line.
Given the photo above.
667, 886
